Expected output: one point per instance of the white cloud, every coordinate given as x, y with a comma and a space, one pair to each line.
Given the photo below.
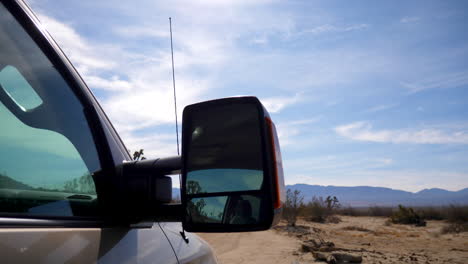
410, 19
327, 28
363, 131
142, 31
114, 83
144, 107
452, 80
137, 81
80, 51
379, 108
278, 103
332, 164
289, 132
143, 97
262, 39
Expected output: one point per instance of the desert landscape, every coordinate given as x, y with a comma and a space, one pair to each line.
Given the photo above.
355, 238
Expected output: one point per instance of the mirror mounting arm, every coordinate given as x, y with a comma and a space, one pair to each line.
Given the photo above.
143, 190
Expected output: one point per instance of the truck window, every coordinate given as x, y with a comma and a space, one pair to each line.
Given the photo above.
47, 152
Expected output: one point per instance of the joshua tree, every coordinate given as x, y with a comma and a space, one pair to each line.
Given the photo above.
293, 206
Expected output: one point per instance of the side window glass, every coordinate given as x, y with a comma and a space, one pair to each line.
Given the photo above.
47, 153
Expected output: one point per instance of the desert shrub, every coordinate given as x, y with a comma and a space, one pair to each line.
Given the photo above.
454, 228
432, 213
293, 206
356, 228
349, 211
407, 216
457, 214
352, 211
333, 219
316, 211
457, 217
319, 209
380, 211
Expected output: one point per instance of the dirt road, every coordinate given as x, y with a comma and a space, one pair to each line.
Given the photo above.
266, 247
369, 237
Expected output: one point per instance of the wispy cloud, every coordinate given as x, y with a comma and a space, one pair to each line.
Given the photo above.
363, 131
141, 31
380, 108
327, 28
338, 164
409, 19
79, 50
289, 132
136, 81
451, 80
278, 103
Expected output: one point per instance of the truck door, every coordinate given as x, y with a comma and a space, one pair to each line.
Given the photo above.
50, 156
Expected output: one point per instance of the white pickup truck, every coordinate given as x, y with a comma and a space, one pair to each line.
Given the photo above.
71, 193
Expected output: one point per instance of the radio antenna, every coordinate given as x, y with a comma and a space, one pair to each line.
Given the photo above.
182, 233
173, 85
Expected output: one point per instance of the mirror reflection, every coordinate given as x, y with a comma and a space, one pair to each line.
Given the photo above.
233, 209
224, 154
224, 180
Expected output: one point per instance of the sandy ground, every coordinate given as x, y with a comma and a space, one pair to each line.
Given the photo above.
375, 241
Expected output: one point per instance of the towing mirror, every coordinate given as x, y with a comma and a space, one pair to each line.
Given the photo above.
232, 175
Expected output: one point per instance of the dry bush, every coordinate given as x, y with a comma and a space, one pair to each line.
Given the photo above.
352, 211
316, 213
407, 216
388, 222
432, 213
293, 206
333, 219
356, 228
319, 210
452, 213
380, 211
454, 228
457, 214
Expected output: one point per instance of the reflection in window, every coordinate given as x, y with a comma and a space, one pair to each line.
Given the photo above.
207, 209
233, 209
223, 180
47, 151
18, 88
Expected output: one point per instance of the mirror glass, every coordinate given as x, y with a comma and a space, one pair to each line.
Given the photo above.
224, 164
224, 180
225, 149
232, 209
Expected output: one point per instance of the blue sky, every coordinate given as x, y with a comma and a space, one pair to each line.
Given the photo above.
362, 92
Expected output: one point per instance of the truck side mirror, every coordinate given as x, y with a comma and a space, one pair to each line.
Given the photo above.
232, 175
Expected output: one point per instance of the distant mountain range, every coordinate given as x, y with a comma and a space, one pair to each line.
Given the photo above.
362, 196
359, 196
9, 183
368, 196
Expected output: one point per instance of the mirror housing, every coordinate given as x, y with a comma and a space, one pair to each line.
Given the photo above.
232, 174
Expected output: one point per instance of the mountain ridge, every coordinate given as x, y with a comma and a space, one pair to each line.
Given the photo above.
363, 196
383, 196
